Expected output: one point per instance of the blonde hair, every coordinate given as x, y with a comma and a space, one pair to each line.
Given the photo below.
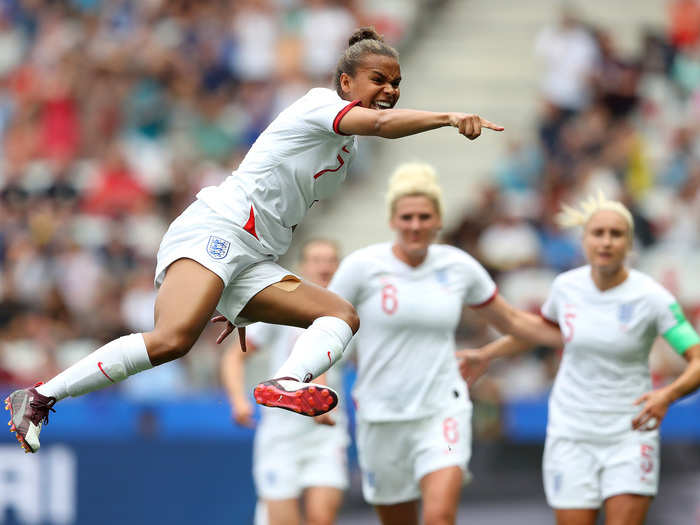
570, 217
414, 179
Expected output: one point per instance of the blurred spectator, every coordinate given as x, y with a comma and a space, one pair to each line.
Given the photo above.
569, 54
685, 22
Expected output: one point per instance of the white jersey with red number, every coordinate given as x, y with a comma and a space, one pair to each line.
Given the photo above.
605, 366
301, 157
406, 343
278, 341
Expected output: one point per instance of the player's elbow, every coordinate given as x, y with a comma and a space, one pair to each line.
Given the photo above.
383, 125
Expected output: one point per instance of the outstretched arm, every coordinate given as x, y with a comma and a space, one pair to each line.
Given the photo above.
656, 402
396, 123
521, 324
473, 363
233, 379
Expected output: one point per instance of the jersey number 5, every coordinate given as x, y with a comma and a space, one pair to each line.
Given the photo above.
390, 301
569, 323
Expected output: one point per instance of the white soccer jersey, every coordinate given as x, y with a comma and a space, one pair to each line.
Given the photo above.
278, 340
301, 157
608, 335
406, 343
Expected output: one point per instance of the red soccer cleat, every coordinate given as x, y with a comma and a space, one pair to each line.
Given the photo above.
308, 399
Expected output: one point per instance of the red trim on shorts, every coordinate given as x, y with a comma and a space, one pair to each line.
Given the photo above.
341, 114
549, 321
250, 225
487, 301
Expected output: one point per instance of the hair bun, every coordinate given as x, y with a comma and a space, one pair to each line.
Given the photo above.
365, 33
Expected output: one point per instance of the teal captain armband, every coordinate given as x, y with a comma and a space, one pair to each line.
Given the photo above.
682, 336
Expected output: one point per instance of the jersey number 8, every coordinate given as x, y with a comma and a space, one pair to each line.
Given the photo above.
390, 301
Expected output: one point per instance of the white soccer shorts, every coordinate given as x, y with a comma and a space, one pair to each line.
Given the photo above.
395, 456
284, 465
583, 474
224, 248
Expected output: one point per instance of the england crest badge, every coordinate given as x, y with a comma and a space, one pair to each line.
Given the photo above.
217, 248
625, 313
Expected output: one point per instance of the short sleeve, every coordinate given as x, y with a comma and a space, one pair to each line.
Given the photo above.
348, 279
481, 289
324, 109
549, 310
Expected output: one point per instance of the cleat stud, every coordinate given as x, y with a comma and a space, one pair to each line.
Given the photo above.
312, 389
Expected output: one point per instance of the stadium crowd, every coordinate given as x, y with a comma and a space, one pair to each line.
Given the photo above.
113, 114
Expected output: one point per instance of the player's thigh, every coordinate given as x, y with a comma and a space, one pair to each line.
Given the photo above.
185, 301
626, 509
440, 493
298, 305
321, 505
405, 513
283, 511
575, 516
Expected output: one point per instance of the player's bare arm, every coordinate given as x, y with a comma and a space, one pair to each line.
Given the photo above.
397, 123
233, 379
520, 324
473, 363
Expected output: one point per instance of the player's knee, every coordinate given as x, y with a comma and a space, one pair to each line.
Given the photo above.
349, 315
319, 518
171, 344
438, 515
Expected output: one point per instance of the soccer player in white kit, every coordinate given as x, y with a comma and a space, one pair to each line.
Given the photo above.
292, 455
413, 408
601, 451
220, 252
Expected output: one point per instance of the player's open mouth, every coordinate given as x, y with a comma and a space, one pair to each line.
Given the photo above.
382, 104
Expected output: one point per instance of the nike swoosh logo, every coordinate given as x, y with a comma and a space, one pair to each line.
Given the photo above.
99, 365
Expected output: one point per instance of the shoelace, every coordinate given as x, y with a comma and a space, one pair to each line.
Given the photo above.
42, 408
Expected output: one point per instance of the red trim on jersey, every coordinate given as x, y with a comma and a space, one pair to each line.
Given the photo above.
250, 225
340, 165
487, 301
549, 321
345, 149
341, 114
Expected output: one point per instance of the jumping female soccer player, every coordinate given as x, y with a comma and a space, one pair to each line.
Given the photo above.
601, 451
413, 409
221, 252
